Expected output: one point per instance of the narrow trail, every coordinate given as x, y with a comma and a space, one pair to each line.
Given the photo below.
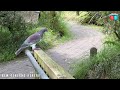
65, 54
84, 39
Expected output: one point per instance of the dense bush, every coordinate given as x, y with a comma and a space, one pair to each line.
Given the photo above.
13, 31
53, 20
14, 22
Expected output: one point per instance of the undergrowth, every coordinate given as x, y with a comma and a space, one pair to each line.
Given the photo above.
105, 65
9, 44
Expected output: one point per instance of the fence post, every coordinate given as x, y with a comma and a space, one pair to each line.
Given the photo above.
93, 52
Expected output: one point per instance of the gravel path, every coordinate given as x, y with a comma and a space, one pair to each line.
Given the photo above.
64, 55
84, 39
17, 69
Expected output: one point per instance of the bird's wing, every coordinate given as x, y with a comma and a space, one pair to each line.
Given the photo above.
33, 39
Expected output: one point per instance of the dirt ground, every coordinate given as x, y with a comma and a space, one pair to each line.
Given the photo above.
84, 39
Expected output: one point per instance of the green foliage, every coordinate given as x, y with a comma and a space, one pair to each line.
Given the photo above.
8, 46
14, 30
58, 29
116, 43
7, 52
105, 65
99, 18
71, 15
54, 21
95, 17
14, 22
49, 39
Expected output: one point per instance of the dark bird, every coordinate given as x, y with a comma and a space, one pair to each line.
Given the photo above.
32, 40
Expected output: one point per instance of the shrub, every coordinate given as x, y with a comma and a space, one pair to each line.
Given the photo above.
14, 30
53, 21
13, 21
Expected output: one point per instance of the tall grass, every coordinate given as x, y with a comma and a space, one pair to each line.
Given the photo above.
105, 65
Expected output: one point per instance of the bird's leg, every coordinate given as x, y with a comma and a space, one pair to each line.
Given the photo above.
34, 47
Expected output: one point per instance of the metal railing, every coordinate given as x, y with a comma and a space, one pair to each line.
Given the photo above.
36, 66
46, 67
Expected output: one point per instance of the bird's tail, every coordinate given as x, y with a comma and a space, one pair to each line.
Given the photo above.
19, 50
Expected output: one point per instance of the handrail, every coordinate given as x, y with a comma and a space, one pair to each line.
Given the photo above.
36, 65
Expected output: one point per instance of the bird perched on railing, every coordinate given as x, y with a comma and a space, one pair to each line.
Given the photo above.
32, 40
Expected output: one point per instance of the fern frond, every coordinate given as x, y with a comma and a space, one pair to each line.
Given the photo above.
112, 43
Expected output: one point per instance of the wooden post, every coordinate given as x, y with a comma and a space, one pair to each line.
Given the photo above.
93, 52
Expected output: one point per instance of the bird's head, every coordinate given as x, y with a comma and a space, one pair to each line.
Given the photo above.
43, 30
